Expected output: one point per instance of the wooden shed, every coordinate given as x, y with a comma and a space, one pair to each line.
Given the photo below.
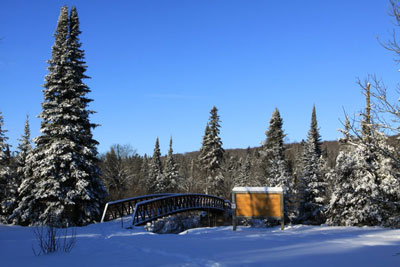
257, 203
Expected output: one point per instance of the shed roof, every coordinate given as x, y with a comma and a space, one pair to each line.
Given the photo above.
265, 189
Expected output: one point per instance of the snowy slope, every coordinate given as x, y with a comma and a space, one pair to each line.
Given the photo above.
109, 245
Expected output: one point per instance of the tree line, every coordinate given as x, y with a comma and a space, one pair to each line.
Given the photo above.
360, 186
60, 178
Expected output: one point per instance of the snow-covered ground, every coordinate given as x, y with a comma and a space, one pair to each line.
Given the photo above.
110, 245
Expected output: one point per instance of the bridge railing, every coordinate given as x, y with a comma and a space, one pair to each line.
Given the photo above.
152, 209
119, 208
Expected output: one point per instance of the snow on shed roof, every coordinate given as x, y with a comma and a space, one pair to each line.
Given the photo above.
257, 189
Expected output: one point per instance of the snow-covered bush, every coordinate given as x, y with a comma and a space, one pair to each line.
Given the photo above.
367, 187
173, 224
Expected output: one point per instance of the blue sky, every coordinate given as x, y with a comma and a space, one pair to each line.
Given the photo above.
159, 66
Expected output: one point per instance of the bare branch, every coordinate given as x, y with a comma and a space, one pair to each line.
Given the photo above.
393, 44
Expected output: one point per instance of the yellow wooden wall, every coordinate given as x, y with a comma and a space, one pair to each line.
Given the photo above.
258, 204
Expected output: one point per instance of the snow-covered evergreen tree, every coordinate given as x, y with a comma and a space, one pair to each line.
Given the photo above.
144, 173
67, 187
4, 147
155, 171
257, 170
230, 170
24, 148
367, 188
171, 180
211, 155
276, 168
313, 184
26, 212
203, 160
244, 175
6, 175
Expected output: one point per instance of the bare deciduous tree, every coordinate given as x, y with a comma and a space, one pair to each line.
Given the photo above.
117, 173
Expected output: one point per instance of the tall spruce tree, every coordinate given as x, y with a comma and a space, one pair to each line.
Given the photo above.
211, 155
276, 169
275, 165
4, 147
67, 188
155, 171
144, 173
27, 212
24, 147
172, 181
313, 184
244, 176
6, 174
21, 162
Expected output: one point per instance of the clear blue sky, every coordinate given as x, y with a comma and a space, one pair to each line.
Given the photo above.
158, 66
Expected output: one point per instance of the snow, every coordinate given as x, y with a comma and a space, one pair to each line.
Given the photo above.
108, 244
257, 190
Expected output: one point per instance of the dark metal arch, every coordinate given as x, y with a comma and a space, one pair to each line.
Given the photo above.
149, 210
151, 207
123, 207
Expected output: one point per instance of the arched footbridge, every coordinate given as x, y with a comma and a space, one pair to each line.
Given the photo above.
148, 208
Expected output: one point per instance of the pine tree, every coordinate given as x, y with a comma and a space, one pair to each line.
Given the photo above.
313, 184
230, 171
276, 168
211, 155
258, 167
244, 177
67, 188
24, 148
4, 147
6, 175
27, 212
172, 181
155, 171
314, 138
144, 173
203, 159
367, 188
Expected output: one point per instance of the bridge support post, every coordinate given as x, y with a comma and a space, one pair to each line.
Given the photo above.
282, 213
234, 221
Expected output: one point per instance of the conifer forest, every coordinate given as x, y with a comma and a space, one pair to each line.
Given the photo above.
59, 177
